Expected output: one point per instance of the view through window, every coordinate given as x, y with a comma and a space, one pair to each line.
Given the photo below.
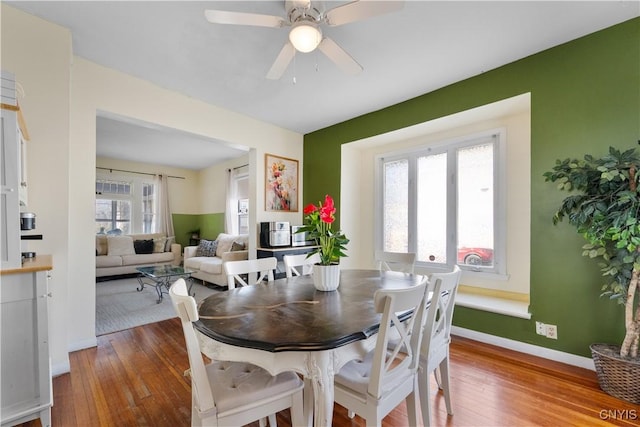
120, 209
439, 202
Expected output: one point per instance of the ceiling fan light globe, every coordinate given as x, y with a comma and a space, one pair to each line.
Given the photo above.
305, 36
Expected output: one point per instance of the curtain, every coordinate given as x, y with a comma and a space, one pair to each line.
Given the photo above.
164, 222
229, 210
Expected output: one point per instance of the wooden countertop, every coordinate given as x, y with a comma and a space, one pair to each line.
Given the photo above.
31, 265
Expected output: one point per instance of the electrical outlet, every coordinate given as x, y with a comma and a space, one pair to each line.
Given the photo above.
552, 332
541, 328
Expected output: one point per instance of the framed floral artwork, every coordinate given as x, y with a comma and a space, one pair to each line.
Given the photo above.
281, 184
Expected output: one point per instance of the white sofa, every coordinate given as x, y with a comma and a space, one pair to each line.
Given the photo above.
115, 255
210, 268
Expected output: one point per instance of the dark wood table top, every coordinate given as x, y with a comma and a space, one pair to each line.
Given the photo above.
291, 315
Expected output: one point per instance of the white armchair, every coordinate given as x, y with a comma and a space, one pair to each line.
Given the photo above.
211, 268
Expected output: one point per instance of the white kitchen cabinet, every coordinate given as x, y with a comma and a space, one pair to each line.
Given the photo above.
24, 343
22, 191
12, 172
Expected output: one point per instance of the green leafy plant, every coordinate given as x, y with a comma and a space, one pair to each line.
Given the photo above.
605, 212
318, 223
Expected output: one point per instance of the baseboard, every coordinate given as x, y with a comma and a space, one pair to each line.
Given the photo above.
546, 353
60, 368
81, 345
65, 367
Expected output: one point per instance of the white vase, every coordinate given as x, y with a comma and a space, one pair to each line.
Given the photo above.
326, 277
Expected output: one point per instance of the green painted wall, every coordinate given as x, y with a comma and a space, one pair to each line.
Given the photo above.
210, 225
585, 96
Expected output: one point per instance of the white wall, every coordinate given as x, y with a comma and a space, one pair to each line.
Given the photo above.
96, 88
212, 192
39, 54
358, 192
64, 94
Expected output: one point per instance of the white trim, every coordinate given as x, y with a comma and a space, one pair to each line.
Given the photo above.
497, 137
135, 197
494, 305
534, 350
81, 345
60, 368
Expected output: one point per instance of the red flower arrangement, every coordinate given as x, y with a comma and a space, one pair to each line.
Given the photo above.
318, 222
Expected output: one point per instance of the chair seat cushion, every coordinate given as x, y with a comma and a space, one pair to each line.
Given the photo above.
355, 375
238, 384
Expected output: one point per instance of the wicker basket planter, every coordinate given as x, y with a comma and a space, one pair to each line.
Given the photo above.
619, 377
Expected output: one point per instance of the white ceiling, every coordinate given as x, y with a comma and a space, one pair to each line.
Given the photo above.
126, 139
425, 46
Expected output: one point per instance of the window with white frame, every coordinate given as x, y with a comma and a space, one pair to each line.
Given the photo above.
125, 205
442, 202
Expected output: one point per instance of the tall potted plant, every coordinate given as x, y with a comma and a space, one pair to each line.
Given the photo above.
331, 244
605, 210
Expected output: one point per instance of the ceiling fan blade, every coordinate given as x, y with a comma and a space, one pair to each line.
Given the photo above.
342, 59
282, 61
361, 9
241, 18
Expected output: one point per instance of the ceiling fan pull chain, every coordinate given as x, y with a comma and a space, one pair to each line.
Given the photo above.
294, 69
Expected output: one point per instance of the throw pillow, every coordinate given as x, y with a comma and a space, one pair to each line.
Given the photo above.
207, 248
120, 245
158, 244
170, 241
237, 246
143, 246
101, 244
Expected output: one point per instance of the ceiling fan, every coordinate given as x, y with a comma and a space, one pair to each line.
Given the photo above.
305, 17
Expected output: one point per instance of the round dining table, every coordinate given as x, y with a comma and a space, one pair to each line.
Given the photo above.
288, 325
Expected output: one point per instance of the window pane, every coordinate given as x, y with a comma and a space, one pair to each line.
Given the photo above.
123, 216
113, 214
396, 206
112, 187
432, 209
124, 226
475, 205
104, 209
148, 202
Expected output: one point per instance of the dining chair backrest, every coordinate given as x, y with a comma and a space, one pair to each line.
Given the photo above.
263, 267
300, 265
397, 337
395, 261
216, 398
185, 307
374, 386
440, 314
434, 352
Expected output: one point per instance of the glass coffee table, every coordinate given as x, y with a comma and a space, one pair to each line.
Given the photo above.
161, 277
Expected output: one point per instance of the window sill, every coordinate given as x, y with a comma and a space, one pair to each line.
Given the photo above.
493, 304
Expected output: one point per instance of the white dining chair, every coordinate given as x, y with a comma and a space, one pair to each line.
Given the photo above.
395, 261
374, 386
263, 267
232, 393
300, 265
434, 352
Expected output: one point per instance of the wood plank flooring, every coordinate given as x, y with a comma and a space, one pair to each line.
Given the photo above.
135, 378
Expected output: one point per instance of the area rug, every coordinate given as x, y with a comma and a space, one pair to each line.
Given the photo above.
120, 306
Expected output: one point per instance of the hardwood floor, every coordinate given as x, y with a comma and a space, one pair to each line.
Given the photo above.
135, 378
